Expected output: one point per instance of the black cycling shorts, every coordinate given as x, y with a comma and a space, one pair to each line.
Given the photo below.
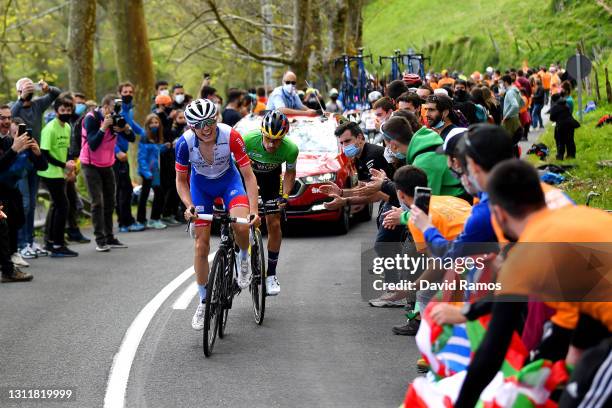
270, 190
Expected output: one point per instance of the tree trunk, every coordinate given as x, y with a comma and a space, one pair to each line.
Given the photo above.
132, 52
315, 45
80, 47
354, 26
300, 52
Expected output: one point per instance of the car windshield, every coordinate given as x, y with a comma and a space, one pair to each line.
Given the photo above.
312, 135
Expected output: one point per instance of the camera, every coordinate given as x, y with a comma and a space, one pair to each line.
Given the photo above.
118, 119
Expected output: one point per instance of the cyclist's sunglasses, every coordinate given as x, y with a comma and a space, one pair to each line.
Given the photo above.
290, 82
205, 123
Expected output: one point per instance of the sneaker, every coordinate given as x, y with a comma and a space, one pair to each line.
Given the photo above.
27, 252
40, 251
18, 260
272, 286
115, 243
409, 329
170, 221
386, 301
124, 229
17, 276
136, 227
102, 247
77, 236
63, 252
422, 366
156, 224
244, 273
197, 323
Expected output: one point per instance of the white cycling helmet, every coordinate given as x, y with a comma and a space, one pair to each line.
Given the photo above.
199, 110
374, 96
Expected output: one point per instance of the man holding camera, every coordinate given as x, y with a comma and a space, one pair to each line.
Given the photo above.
101, 128
31, 110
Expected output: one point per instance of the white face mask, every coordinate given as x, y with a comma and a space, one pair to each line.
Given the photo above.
289, 88
179, 98
164, 92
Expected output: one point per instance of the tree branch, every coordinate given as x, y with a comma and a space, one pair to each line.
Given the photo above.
238, 44
200, 48
185, 28
255, 23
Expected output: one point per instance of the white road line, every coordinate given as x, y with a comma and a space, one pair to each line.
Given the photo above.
116, 386
185, 299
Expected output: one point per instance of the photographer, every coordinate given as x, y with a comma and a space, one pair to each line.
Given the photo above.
31, 110
100, 131
18, 154
121, 167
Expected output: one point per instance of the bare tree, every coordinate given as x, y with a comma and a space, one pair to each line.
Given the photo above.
80, 46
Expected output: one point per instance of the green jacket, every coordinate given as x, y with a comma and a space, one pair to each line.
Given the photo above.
421, 153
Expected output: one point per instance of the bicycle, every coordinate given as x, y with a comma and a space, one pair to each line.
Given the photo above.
222, 285
395, 65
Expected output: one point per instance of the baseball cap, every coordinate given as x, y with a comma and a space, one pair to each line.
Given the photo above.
453, 137
163, 100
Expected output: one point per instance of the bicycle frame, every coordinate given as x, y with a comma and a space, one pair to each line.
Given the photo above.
352, 93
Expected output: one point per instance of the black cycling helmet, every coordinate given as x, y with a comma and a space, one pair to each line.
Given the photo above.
275, 125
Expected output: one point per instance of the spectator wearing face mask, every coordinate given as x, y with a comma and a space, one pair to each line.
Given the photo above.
31, 110
161, 88
334, 105
151, 146
285, 98
178, 97
231, 114
121, 167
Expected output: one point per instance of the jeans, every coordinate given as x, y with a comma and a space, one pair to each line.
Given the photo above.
158, 201
536, 116
101, 186
6, 266
124, 193
59, 211
389, 243
73, 206
28, 186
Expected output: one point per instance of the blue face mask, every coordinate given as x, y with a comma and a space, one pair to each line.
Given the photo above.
154, 129
351, 150
80, 108
404, 206
399, 155
438, 125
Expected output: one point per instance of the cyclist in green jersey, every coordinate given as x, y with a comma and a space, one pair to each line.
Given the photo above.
269, 149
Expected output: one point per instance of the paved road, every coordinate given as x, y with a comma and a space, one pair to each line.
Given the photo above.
320, 344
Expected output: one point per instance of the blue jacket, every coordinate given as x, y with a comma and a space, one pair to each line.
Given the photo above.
477, 229
127, 111
148, 160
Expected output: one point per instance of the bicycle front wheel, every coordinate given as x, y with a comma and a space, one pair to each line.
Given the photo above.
258, 284
214, 301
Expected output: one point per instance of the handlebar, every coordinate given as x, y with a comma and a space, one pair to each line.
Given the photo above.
212, 217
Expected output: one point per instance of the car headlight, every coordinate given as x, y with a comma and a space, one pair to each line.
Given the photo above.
319, 178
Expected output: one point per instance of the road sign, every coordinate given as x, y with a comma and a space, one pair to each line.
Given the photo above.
585, 66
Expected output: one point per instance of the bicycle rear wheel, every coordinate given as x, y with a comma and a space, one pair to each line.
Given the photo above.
258, 284
214, 302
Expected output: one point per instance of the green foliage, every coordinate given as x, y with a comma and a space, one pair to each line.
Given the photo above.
473, 34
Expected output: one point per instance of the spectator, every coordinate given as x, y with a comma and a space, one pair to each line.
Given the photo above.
167, 171
462, 101
161, 88
231, 114
440, 114
512, 105
545, 77
410, 102
149, 169
164, 110
492, 105
383, 108
394, 90
261, 95
418, 150
566, 92
178, 97
258, 104
565, 125
537, 103
286, 99
121, 168
18, 154
31, 110
446, 79
334, 105
208, 92
311, 99
99, 138
54, 144
523, 82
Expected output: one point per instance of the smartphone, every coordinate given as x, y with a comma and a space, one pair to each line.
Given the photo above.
422, 197
29, 132
21, 129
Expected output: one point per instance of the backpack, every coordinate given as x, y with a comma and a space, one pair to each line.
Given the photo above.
482, 114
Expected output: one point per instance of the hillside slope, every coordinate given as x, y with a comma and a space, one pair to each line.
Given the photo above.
472, 34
